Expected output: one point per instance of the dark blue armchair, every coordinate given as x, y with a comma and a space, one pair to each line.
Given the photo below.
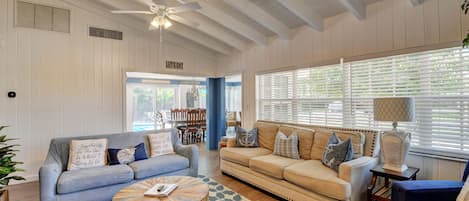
428, 190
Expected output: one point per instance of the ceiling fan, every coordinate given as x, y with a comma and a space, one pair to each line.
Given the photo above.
163, 13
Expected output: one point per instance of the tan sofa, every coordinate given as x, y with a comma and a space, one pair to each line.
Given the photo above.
307, 178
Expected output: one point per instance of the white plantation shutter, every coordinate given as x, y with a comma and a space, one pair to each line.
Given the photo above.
308, 96
438, 81
342, 95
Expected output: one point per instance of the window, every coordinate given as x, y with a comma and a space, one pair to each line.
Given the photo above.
144, 100
309, 96
342, 95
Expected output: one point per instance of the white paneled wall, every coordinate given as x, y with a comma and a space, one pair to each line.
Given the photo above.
391, 27
72, 84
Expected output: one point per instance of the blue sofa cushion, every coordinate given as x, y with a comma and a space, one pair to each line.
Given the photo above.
159, 165
426, 190
84, 179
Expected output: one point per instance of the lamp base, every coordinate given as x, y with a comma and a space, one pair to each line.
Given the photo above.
394, 147
395, 168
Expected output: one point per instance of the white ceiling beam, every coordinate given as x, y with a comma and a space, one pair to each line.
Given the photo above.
261, 16
356, 7
180, 30
214, 30
416, 2
303, 10
230, 22
200, 38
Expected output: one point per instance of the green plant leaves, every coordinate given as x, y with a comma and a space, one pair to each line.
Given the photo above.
7, 164
465, 8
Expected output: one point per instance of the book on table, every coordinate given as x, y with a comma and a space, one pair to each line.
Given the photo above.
160, 190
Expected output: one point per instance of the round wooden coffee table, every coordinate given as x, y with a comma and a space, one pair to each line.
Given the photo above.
189, 188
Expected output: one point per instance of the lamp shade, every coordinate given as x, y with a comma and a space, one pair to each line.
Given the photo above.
393, 109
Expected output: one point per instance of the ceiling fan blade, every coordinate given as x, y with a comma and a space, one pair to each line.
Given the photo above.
148, 2
132, 12
183, 21
184, 7
159, 2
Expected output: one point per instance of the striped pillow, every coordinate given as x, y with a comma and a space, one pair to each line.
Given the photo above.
287, 146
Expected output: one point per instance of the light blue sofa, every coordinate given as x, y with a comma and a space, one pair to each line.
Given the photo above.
100, 184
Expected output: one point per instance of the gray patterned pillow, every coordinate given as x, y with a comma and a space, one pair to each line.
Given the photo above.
287, 146
245, 138
337, 152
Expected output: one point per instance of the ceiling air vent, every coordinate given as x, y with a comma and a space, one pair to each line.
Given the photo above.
105, 33
174, 65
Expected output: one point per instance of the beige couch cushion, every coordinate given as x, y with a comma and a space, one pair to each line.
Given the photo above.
314, 176
266, 134
271, 165
321, 137
305, 136
242, 155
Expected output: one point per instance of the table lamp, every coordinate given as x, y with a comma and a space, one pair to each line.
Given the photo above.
394, 143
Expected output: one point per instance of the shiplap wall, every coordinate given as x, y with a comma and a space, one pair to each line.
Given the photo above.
391, 27
72, 84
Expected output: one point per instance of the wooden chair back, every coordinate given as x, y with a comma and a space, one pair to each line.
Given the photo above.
202, 117
178, 114
192, 118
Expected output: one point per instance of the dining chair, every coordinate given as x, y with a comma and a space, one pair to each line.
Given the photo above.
179, 115
191, 131
203, 122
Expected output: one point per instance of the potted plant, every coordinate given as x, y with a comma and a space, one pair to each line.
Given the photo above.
465, 8
7, 164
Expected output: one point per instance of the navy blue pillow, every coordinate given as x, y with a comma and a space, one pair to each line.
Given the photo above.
127, 155
140, 153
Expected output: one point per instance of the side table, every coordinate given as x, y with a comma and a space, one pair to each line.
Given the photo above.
383, 193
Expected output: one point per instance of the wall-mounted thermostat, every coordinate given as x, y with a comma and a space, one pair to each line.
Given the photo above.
11, 94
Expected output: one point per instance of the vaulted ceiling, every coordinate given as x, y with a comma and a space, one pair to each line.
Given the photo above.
230, 25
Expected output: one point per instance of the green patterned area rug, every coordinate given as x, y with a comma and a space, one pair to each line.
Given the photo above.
218, 192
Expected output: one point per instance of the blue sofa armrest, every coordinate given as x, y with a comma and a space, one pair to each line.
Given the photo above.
49, 174
192, 153
426, 190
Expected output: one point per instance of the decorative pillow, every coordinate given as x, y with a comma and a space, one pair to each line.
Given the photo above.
160, 144
321, 136
87, 154
128, 155
337, 152
245, 138
286, 146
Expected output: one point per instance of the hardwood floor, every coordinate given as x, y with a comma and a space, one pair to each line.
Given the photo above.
208, 165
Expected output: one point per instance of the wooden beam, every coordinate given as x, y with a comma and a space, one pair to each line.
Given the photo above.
178, 29
303, 10
200, 38
416, 2
213, 29
262, 17
356, 7
230, 22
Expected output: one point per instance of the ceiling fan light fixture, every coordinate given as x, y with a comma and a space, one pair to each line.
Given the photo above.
161, 21
167, 24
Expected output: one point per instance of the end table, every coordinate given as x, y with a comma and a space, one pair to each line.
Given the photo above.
383, 193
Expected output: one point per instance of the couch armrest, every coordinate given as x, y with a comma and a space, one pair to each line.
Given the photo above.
357, 173
428, 190
49, 174
192, 153
231, 142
